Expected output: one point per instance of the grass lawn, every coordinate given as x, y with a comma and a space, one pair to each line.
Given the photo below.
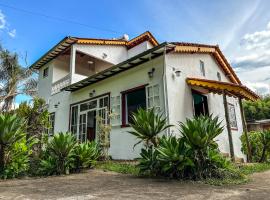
245, 170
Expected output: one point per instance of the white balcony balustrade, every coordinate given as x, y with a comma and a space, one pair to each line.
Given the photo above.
60, 84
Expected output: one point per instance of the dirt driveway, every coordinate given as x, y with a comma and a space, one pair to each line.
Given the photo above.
107, 185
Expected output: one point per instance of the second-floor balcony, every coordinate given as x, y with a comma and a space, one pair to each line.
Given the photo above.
60, 84
68, 69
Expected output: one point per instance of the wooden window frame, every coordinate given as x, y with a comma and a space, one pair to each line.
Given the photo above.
124, 103
233, 128
44, 75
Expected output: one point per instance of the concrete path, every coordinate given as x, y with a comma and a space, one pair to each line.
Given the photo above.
96, 184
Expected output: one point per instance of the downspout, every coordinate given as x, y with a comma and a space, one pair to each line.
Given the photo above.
165, 91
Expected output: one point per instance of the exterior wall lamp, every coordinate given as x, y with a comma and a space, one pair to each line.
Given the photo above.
151, 73
56, 105
91, 94
177, 72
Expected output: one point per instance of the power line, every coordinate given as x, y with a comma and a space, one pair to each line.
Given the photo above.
58, 18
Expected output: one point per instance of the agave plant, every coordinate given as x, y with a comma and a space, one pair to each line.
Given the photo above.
147, 125
200, 133
174, 156
86, 154
61, 147
148, 163
10, 132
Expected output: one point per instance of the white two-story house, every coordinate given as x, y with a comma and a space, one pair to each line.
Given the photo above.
81, 78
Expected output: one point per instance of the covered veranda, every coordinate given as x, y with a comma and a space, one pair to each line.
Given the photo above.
227, 89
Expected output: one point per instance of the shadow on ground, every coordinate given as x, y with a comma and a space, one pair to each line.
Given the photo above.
95, 184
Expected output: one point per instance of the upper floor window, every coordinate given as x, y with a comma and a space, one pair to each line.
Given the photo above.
202, 68
232, 116
45, 72
218, 76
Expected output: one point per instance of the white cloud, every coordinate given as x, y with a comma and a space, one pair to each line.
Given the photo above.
253, 67
12, 33
5, 27
2, 20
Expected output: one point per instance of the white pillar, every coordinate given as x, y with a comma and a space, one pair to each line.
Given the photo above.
72, 63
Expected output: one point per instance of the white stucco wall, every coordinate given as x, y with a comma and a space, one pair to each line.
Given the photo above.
115, 54
139, 49
60, 69
180, 95
45, 84
122, 142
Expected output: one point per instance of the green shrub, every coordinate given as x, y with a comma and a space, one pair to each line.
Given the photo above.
199, 133
10, 132
148, 162
147, 125
17, 158
59, 153
85, 155
259, 143
194, 156
174, 157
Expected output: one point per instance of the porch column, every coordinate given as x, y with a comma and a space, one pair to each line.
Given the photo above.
244, 124
72, 63
228, 126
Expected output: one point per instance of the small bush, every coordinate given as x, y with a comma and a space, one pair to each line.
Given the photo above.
17, 158
195, 155
59, 152
63, 154
259, 144
85, 155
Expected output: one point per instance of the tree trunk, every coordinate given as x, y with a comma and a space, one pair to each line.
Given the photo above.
2, 157
263, 154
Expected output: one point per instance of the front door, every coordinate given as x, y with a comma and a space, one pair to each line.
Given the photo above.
91, 125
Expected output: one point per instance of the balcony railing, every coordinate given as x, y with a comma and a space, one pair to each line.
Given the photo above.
61, 83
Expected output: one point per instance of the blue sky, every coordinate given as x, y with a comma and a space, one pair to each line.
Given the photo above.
240, 27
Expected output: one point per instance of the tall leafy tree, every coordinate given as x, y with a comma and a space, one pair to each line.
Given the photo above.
257, 110
14, 79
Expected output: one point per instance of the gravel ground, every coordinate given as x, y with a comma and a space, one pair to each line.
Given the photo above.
96, 184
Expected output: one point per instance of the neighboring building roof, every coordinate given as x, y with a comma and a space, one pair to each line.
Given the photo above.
262, 121
212, 49
123, 66
219, 87
66, 43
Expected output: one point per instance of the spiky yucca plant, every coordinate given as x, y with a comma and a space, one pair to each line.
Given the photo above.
147, 125
86, 154
10, 132
200, 133
61, 147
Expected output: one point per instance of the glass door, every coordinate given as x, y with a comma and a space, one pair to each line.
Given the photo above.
82, 128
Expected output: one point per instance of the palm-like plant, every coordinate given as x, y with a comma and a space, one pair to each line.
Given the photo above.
147, 125
10, 132
200, 133
86, 154
174, 156
62, 147
14, 79
148, 162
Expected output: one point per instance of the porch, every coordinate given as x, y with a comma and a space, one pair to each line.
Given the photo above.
205, 86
